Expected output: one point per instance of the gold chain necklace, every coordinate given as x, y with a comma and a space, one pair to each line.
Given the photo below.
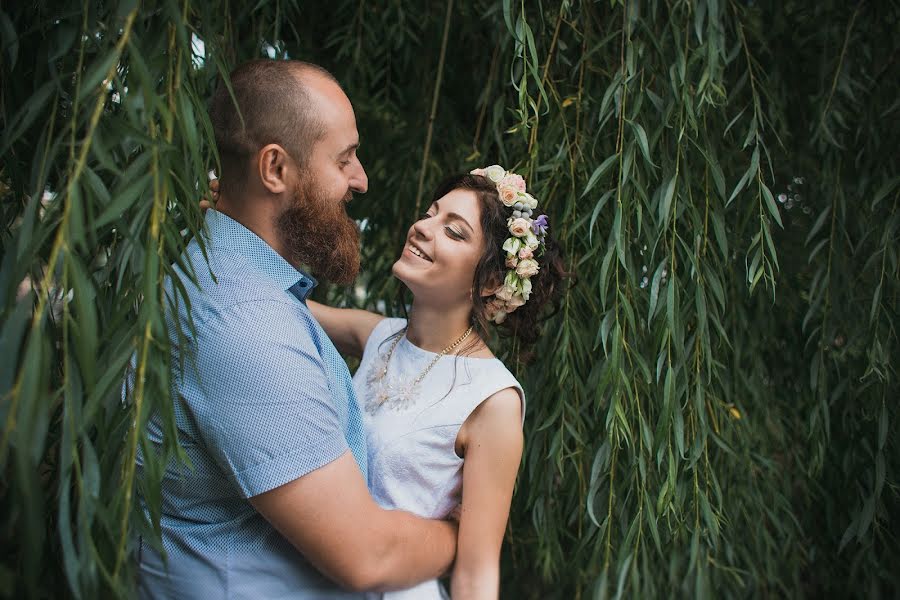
397, 393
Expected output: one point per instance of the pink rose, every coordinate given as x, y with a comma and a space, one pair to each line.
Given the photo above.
508, 195
495, 310
526, 252
527, 268
477, 172
505, 293
511, 262
519, 227
514, 181
514, 303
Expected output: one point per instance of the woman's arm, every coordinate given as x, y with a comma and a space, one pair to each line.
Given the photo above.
493, 449
348, 328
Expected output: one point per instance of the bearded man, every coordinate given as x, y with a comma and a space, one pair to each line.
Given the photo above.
274, 503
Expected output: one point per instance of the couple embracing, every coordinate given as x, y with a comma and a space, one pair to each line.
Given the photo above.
303, 482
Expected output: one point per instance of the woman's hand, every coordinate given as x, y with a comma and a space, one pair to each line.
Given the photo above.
213, 191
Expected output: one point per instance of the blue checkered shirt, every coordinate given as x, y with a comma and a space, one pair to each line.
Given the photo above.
263, 399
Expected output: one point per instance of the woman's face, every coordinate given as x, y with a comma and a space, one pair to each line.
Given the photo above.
442, 250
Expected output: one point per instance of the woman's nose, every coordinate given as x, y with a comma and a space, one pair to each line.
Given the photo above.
422, 228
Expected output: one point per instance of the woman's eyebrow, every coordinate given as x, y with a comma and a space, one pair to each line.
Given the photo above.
460, 218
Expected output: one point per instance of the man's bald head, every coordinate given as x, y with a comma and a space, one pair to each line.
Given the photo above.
277, 108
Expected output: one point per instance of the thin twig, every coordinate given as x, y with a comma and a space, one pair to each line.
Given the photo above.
434, 103
492, 75
532, 140
840, 61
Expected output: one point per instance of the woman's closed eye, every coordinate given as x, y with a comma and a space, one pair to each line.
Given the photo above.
453, 233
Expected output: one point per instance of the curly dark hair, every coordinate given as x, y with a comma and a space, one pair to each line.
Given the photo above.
547, 285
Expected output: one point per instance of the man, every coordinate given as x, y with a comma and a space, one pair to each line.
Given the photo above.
275, 504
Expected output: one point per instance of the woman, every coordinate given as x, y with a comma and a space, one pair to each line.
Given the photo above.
435, 397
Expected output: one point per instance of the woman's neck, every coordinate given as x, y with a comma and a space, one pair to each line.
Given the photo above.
435, 328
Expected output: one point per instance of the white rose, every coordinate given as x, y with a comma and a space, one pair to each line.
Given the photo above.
531, 240
526, 288
520, 227
512, 245
530, 201
527, 268
495, 173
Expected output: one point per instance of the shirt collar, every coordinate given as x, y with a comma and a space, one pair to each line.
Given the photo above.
228, 234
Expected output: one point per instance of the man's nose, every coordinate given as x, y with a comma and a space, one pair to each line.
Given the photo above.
359, 181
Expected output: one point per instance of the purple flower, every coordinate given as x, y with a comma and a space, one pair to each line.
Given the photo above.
539, 226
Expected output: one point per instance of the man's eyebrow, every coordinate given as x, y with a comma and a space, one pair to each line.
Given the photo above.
453, 215
349, 149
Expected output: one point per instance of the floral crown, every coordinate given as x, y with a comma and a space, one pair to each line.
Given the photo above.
522, 248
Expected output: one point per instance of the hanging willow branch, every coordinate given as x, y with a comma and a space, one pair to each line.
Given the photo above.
689, 432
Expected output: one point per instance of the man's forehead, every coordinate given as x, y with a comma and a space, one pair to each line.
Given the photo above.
319, 84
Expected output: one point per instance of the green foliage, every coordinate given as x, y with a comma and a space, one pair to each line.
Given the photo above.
710, 413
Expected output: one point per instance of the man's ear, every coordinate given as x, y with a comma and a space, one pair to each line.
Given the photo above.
275, 168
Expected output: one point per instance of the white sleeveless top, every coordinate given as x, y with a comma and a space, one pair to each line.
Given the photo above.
413, 464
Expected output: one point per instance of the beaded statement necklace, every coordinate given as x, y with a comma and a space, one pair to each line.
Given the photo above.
393, 391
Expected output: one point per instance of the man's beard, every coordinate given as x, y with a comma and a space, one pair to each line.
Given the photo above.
318, 233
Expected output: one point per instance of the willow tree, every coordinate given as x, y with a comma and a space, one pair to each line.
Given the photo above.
710, 413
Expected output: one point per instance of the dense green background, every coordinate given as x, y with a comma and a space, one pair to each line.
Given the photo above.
713, 411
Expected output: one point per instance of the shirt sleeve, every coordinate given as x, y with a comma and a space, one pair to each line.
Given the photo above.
267, 416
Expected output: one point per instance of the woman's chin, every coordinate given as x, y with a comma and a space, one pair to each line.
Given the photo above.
407, 275
401, 271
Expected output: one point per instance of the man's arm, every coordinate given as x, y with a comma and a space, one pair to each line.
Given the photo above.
329, 516
275, 430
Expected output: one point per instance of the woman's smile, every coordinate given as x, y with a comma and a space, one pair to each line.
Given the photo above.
417, 252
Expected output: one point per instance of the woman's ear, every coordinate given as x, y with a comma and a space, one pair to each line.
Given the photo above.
491, 286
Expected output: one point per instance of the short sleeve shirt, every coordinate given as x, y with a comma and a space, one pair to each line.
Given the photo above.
262, 398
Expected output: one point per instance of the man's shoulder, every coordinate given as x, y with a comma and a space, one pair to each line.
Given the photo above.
228, 277
224, 286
